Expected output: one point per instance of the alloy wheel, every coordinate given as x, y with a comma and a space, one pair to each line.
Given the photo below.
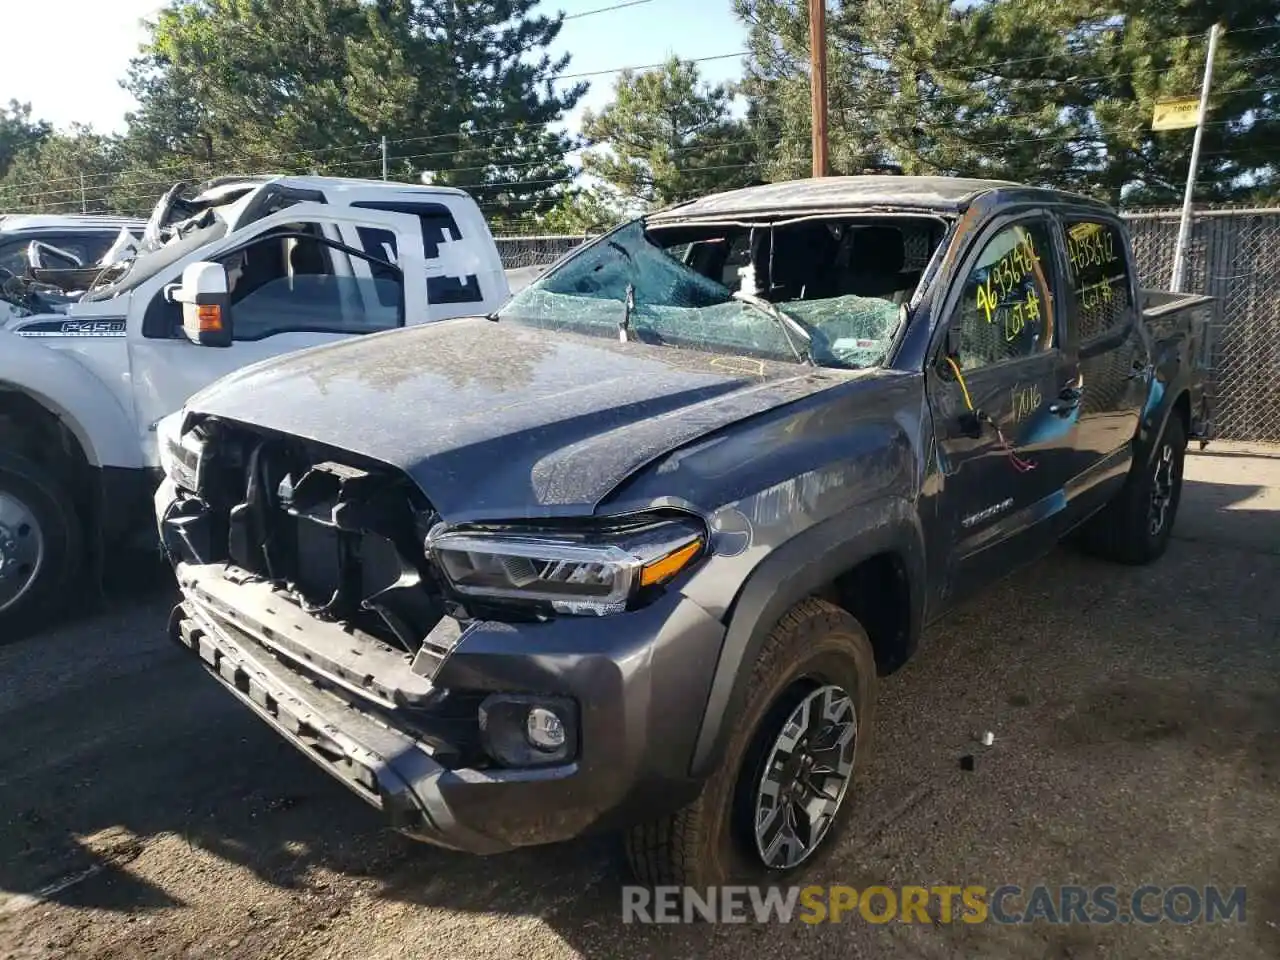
805, 778
1163, 482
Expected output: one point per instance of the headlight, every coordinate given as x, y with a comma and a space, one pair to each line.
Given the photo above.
181, 453
598, 571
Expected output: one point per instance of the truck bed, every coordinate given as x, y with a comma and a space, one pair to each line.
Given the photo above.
1156, 303
1183, 324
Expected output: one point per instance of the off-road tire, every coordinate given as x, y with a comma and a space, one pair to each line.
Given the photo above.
47, 499
703, 844
1123, 530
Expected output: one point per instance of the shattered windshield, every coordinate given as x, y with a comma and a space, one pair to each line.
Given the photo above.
678, 289
122, 277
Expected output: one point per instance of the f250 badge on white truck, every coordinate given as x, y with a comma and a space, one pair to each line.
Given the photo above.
292, 262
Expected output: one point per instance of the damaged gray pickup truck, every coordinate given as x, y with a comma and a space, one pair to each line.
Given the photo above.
630, 553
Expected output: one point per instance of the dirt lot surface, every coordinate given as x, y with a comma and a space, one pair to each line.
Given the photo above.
1136, 715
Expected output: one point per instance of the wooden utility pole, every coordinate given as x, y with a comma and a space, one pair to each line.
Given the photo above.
818, 83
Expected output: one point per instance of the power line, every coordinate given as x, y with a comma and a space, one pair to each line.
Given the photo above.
505, 207
1065, 55
440, 136
473, 190
466, 151
32, 199
645, 66
319, 151
45, 198
616, 6
177, 165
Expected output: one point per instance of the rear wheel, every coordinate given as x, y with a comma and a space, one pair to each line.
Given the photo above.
780, 798
1135, 528
40, 544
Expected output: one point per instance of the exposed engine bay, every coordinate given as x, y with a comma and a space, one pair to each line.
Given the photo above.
343, 540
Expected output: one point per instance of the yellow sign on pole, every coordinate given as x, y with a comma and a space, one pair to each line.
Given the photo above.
1176, 114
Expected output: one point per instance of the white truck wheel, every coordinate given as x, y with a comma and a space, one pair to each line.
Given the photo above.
40, 544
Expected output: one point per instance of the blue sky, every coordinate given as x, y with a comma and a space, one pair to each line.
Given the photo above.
648, 33
74, 52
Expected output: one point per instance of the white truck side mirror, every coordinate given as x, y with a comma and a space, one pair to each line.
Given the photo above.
206, 304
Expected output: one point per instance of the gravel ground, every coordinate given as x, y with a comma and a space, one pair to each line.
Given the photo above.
1137, 739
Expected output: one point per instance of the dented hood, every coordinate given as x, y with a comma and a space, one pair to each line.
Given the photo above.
497, 419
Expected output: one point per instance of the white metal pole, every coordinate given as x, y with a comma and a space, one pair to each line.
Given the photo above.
384, 158
84, 202
1184, 226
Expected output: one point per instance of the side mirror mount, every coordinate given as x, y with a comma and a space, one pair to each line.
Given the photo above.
206, 304
954, 341
949, 353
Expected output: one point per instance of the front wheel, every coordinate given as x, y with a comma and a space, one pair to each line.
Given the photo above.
40, 544
1135, 528
780, 798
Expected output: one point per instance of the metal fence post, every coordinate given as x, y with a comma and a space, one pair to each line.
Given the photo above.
1184, 228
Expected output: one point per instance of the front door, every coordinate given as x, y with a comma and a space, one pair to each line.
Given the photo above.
292, 287
1005, 408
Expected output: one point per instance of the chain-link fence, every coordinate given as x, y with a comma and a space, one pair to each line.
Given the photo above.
1234, 256
519, 252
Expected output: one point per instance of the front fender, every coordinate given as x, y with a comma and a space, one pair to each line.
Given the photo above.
71, 392
797, 568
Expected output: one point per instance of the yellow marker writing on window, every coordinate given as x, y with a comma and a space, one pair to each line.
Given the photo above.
1006, 275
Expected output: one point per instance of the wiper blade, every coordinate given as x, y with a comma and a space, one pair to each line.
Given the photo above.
628, 305
791, 327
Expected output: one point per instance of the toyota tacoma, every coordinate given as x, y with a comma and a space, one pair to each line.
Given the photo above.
630, 552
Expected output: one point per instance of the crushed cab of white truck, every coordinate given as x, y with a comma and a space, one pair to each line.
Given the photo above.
37, 250
293, 262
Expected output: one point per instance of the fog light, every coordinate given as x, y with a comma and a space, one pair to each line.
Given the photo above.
528, 730
544, 729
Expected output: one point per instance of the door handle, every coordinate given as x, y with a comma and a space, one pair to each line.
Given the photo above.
1138, 370
1068, 400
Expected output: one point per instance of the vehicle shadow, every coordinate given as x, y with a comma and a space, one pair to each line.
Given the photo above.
133, 576
1093, 676
1227, 514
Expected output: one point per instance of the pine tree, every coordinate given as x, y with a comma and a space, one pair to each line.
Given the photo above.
19, 133
47, 177
313, 85
246, 85
482, 107
1057, 92
668, 137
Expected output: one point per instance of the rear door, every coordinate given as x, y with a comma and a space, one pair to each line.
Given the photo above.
1004, 412
1103, 303
463, 274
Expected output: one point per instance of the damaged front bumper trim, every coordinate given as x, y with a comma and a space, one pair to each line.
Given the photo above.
367, 668
389, 770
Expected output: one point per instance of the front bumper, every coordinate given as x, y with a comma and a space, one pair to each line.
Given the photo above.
639, 682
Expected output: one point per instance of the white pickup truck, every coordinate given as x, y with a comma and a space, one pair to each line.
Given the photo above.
295, 261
